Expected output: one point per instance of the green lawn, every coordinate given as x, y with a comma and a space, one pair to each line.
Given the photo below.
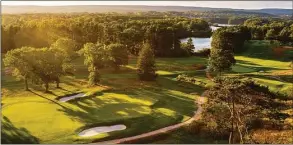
121, 98
259, 64
30, 117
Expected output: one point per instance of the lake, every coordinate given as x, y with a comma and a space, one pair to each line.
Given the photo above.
201, 43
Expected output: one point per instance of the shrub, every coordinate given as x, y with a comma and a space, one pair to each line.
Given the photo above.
196, 127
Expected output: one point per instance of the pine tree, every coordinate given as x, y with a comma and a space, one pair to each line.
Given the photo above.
190, 46
146, 64
221, 56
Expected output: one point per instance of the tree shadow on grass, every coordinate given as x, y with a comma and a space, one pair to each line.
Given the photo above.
258, 68
65, 90
270, 77
53, 101
246, 62
13, 135
89, 113
97, 110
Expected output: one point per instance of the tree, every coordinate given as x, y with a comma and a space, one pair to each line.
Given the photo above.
119, 55
19, 60
284, 35
146, 63
68, 46
96, 56
49, 65
271, 34
231, 106
38, 64
190, 46
62, 65
221, 56
239, 34
132, 38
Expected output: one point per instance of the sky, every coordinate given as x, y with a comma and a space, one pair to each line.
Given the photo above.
213, 4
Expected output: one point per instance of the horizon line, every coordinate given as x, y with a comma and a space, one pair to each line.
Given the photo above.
200, 4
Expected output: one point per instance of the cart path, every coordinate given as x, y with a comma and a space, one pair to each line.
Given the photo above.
197, 115
199, 101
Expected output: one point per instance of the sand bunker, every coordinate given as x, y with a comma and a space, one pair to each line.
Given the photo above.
103, 129
65, 99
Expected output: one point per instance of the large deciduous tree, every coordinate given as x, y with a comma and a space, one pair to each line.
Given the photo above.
38, 64
19, 61
49, 65
119, 55
67, 46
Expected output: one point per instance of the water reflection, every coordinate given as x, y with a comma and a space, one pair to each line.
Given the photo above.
201, 43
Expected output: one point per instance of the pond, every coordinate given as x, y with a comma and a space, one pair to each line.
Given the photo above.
201, 43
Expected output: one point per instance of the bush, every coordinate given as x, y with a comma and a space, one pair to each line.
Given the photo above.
185, 78
196, 127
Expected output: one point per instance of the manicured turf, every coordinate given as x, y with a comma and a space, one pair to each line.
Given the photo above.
259, 63
121, 98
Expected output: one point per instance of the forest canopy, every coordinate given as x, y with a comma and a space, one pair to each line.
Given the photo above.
41, 30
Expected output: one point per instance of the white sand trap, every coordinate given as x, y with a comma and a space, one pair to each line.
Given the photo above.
103, 129
65, 99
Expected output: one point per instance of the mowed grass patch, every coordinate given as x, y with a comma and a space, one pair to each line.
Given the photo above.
174, 65
120, 98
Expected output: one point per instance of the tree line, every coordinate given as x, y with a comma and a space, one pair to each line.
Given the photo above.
268, 29
42, 30
230, 40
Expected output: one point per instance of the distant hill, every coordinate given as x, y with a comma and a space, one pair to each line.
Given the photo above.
139, 8
277, 11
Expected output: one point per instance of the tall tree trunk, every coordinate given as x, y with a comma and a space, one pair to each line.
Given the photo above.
230, 137
26, 84
47, 87
94, 76
57, 83
233, 114
240, 133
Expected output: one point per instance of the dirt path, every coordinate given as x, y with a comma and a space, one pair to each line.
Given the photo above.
200, 100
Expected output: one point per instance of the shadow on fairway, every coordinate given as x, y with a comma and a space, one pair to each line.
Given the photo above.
55, 102
13, 135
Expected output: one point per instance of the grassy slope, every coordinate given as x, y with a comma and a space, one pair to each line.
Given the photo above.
122, 98
260, 63
258, 57
142, 106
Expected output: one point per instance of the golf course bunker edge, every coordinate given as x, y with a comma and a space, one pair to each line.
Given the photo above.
65, 99
103, 129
